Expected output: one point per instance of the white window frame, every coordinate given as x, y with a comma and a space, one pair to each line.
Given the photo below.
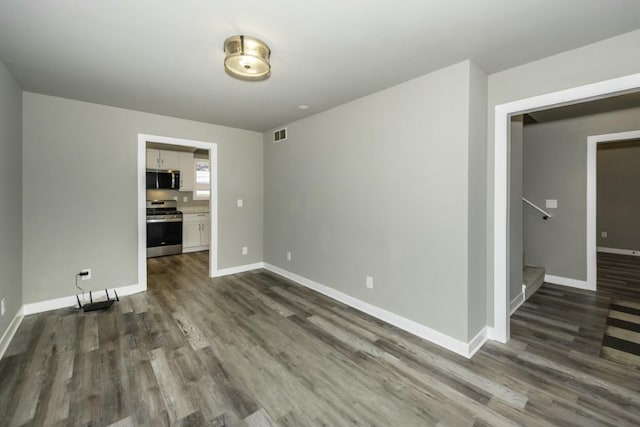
201, 186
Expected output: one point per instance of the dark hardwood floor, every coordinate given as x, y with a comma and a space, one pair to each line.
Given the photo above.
254, 349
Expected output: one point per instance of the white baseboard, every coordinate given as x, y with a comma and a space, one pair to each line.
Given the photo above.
56, 303
10, 332
476, 342
238, 269
517, 301
443, 340
491, 333
618, 251
572, 283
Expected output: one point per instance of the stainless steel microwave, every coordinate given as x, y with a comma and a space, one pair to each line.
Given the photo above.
163, 180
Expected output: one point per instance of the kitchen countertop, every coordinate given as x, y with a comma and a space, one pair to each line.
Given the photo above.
194, 209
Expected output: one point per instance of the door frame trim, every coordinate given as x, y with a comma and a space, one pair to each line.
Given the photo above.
503, 113
592, 174
212, 147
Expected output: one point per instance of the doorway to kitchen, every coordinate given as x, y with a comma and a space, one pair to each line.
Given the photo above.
212, 230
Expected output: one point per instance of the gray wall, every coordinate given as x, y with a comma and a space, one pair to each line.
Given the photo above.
10, 196
618, 195
477, 207
516, 247
555, 167
380, 187
607, 59
80, 156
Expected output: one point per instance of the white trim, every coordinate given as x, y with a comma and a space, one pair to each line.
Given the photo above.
443, 340
477, 342
491, 333
142, 211
572, 283
501, 300
592, 197
631, 252
142, 197
239, 269
11, 331
517, 301
70, 301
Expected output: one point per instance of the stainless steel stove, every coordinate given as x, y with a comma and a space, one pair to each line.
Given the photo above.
164, 228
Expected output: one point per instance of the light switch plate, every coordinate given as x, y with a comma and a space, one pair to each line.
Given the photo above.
551, 204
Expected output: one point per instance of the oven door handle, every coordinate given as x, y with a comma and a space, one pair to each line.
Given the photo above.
155, 221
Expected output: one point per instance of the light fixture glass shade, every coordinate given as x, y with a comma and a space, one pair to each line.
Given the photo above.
247, 58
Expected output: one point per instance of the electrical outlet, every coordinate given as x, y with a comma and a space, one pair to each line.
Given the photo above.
185, 199
88, 276
245, 250
369, 282
604, 234
3, 308
288, 256
240, 203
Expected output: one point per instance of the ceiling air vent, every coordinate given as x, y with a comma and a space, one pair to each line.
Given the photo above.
280, 135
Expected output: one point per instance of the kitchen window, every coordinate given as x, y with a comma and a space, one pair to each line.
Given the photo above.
202, 189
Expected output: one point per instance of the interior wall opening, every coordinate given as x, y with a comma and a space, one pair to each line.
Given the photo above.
503, 252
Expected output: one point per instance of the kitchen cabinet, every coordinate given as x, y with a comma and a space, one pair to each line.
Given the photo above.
163, 159
196, 232
187, 172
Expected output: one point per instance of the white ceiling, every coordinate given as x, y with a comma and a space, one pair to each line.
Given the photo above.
166, 57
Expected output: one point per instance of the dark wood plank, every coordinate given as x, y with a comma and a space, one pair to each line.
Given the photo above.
255, 349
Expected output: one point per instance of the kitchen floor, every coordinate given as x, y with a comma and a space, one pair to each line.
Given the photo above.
254, 349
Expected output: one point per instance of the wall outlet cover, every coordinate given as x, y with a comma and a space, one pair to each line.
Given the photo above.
369, 282
3, 308
245, 250
288, 256
240, 203
88, 276
603, 234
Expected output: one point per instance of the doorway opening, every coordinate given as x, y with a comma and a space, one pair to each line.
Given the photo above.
501, 224
595, 242
204, 149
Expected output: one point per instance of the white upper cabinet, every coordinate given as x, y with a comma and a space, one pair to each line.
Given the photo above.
162, 159
187, 172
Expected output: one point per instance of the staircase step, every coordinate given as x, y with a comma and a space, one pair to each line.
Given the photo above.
533, 277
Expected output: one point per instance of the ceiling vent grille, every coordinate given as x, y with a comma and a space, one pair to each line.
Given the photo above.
280, 135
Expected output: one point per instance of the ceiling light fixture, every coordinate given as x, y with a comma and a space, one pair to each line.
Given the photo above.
247, 58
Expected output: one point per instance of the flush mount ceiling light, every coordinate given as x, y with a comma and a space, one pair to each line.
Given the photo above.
247, 58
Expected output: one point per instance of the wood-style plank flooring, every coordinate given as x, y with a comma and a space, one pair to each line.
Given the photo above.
254, 349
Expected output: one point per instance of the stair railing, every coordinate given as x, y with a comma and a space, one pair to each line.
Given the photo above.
545, 214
